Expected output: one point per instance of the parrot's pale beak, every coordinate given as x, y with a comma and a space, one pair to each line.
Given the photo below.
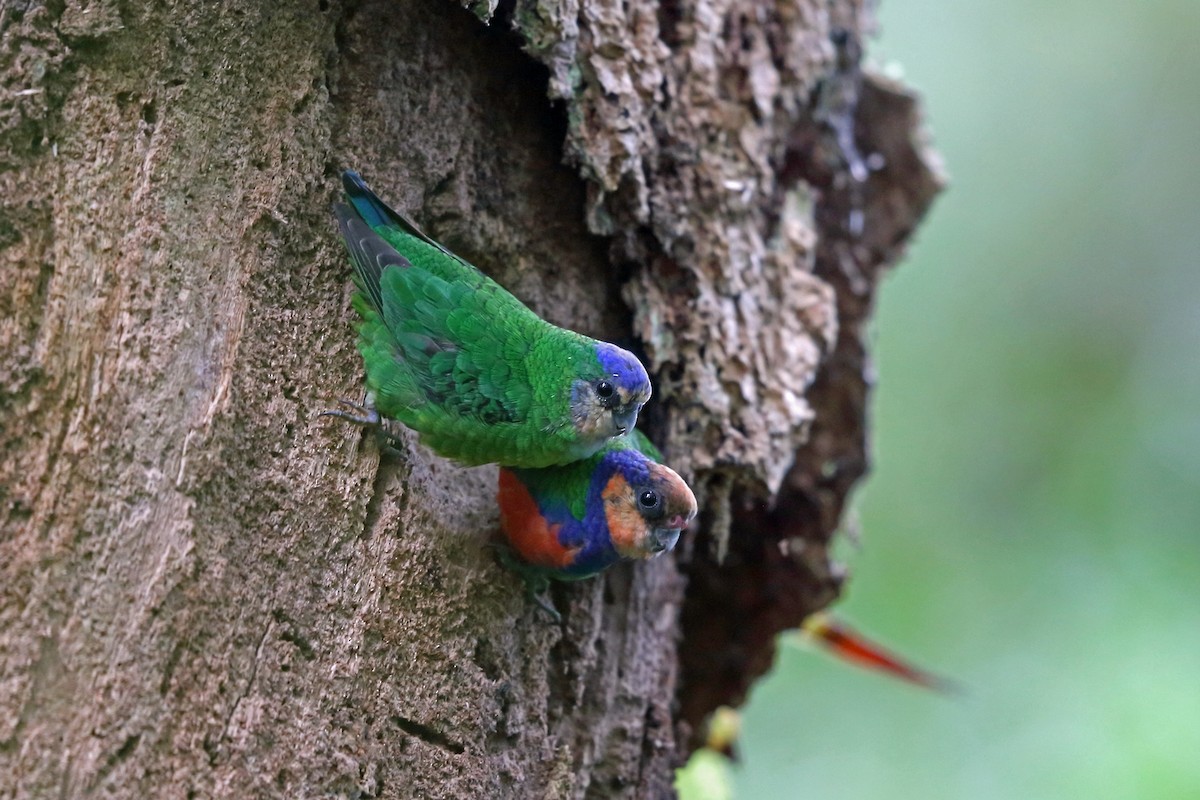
623, 421
664, 539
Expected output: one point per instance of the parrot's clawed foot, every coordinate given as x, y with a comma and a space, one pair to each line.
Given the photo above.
545, 605
536, 586
365, 415
536, 581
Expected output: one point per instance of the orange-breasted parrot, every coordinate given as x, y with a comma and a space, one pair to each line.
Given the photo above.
572, 522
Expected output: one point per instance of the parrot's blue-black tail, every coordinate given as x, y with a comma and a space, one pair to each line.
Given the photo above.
377, 213
370, 208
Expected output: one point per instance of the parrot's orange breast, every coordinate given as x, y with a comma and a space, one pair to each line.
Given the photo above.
530, 533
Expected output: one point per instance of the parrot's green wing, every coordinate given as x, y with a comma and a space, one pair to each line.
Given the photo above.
448, 351
436, 336
640, 442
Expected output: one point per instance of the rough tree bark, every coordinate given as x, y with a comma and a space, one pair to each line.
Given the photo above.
205, 590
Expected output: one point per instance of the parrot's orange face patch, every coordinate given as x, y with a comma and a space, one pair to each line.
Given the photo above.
627, 529
534, 539
645, 520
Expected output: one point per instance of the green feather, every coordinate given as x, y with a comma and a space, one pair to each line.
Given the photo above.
640, 442
568, 485
451, 354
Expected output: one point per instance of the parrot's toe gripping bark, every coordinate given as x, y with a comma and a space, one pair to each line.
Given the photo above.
535, 579
366, 416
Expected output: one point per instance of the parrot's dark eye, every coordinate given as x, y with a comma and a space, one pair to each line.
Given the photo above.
605, 391
649, 500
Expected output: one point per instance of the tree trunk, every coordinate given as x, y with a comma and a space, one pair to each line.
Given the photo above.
205, 589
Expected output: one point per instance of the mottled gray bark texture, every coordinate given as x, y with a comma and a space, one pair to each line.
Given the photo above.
207, 591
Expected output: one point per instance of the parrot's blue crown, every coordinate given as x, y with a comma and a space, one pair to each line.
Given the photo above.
626, 371
630, 463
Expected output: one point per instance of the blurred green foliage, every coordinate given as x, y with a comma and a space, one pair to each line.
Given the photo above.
1032, 525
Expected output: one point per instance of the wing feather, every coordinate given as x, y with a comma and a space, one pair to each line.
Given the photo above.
370, 254
449, 352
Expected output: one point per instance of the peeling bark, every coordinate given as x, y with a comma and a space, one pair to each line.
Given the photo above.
205, 590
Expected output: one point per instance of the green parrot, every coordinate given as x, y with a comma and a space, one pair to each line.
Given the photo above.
455, 357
